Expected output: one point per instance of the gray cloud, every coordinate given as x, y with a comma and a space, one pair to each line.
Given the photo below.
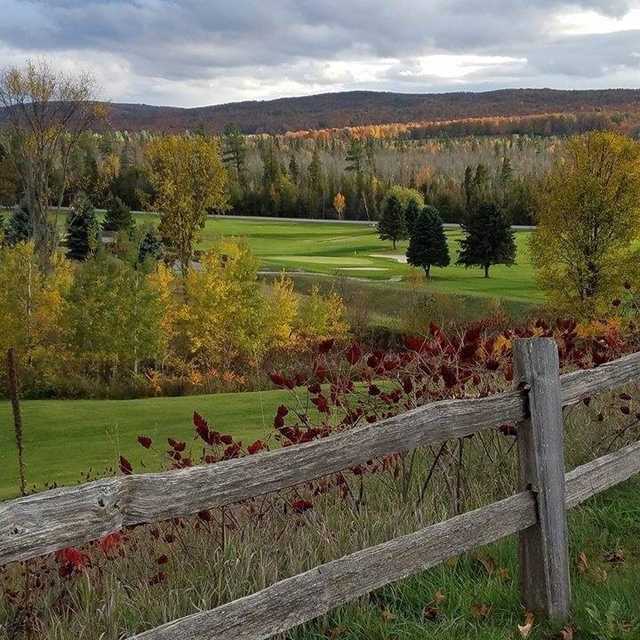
188, 52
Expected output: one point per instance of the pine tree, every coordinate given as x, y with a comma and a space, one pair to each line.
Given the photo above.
118, 217
392, 225
428, 243
20, 227
488, 239
82, 229
150, 247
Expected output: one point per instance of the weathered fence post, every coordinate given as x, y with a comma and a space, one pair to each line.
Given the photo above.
544, 557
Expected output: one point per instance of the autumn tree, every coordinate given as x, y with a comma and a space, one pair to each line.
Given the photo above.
428, 243
488, 239
588, 222
112, 317
31, 306
224, 313
45, 115
339, 204
189, 180
392, 225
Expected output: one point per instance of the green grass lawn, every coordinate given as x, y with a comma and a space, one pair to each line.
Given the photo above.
66, 438
348, 250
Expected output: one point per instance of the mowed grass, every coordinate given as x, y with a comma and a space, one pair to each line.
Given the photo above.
64, 439
354, 250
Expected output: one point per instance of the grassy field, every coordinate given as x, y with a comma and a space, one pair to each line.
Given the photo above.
66, 438
354, 251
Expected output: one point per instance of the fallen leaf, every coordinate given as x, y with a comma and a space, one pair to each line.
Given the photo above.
583, 563
525, 629
336, 632
439, 597
480, 610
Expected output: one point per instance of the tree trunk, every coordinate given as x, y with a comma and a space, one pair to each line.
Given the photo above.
14, 396
427, 271
394, 243
486, 270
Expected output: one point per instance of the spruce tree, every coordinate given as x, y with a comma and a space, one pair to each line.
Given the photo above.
150, 247
20, 227
411, 213
428, 243
82, 229
392, 225
488, 239
118, 216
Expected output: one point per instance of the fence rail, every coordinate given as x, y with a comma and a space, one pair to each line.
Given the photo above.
51, 520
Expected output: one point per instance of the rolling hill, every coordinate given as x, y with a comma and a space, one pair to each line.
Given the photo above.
356, 108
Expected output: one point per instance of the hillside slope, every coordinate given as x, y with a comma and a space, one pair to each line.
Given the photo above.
354, 108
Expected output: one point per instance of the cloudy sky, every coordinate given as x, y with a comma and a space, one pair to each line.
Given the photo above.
198, 52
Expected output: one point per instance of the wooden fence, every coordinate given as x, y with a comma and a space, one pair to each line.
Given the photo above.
51, 520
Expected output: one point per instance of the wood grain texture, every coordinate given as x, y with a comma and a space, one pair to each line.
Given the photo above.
543, 548
585, 383
602, 474
308, 595
52, 520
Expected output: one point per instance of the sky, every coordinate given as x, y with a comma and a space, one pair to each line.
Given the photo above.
200, 52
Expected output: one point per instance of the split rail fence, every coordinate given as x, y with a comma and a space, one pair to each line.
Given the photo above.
45, 522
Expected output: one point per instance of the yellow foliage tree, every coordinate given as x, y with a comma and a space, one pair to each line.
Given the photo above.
281, 311
224, 310
339, 204
588, 219
322, 316
189, 179
31, 305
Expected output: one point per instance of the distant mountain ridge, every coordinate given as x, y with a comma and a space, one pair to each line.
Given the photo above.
357, 108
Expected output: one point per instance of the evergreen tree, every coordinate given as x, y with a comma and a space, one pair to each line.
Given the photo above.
488, 239
411, 213
392, 225
150, 247
428, 243
118, 216
315, 185
355, 157
235, 152
82, 229
20, 226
